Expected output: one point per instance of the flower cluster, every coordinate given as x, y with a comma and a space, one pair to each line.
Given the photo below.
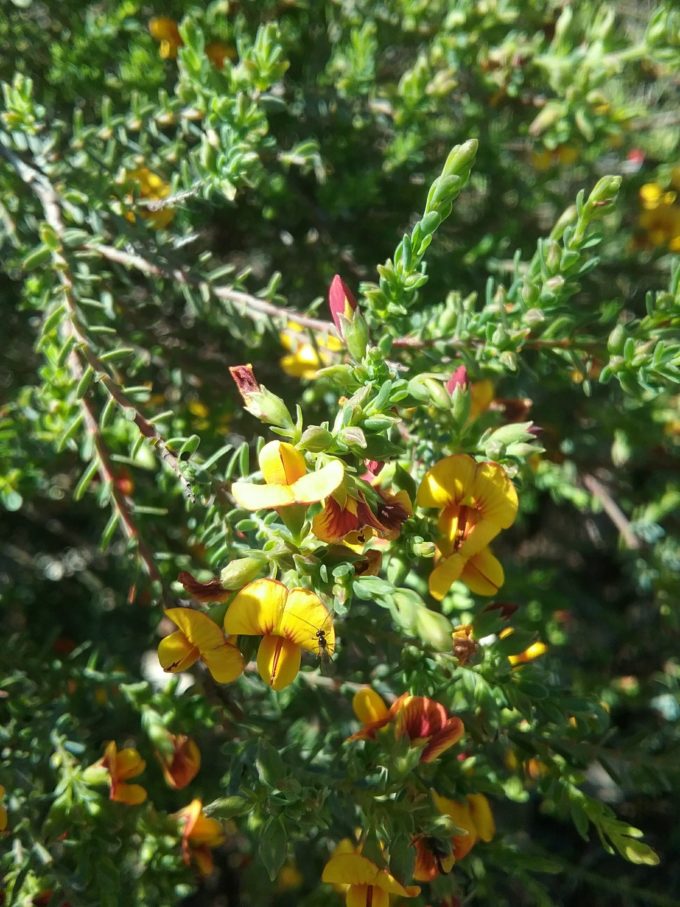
659, 219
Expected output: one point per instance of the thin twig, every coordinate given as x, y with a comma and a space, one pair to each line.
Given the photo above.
51, 205
613, 511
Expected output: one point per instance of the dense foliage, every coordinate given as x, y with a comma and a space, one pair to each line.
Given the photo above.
212, 579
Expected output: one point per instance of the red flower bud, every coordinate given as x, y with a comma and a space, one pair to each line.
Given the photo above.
458, 378
245, 380
341, 302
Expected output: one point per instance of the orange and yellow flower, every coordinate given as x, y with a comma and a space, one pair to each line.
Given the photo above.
199, 637
287, 481
423, 721
121, 766
182, 761
367, 884
288, 622
199, 835
473, 815
475, 501
164, 30
535, 650
347, 517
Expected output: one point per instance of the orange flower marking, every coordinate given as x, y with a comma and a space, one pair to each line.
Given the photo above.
199, 835
368, 884
425, 722
347, 517
199, 637
288, 622
180, 766
121, 766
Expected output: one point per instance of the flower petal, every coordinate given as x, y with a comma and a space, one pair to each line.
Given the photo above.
278, 661
316, 486
334, 522
132, 794
459, 813
363, 895
447, 737
198, 628
495, 493
206, 831
224, 662
304, 616
451, 479
281, 463
369, 706
483, 573
480, 810
262, 497
176, 653
444, 575
256, 609
128, 764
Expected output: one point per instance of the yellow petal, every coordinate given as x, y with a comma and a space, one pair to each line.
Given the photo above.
281, 464
278, 661
450, 479
176, 653
482, 817
262, 497
447, 571
353, 869
361, 895
132, 794
3, 818
369, 706
225, 663
128, 764
483, 573
316, 486
206, 831
257, 609
495, 493
304, 616
199, 630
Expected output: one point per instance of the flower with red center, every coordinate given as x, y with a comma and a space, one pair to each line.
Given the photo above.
199, 835
181, 762
288, 622
475, 501
121, 766
199, 637
287, 481
367, 884
425, 722
347, 517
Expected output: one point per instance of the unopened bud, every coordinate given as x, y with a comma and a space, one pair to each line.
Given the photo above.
605, 191
458, 378
433, 628
341, 303
240, 572
315, 439
260, 402
355, 332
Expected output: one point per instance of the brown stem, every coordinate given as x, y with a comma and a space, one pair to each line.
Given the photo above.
613, 511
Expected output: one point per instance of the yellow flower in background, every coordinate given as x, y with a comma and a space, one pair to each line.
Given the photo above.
368, 884
303, 359
165, 30
286, 479
288, 622
199, 835
148, 186
660, 215
217, 52
475, 501
3, 810
121, 766
181, 763
546, 158
531, 653
473, 815
199, 637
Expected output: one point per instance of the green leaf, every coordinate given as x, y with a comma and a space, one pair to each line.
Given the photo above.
273, 846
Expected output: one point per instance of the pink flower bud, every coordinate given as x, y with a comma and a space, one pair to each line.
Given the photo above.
458, 378
341, 302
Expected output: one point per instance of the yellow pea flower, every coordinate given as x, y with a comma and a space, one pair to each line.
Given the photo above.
165, 30
182, 763
475, 500
288, 622
121, 766
199, 835
287, 481
368, 884
217, 52
473, 815
303, 359
149, 186
199, 637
